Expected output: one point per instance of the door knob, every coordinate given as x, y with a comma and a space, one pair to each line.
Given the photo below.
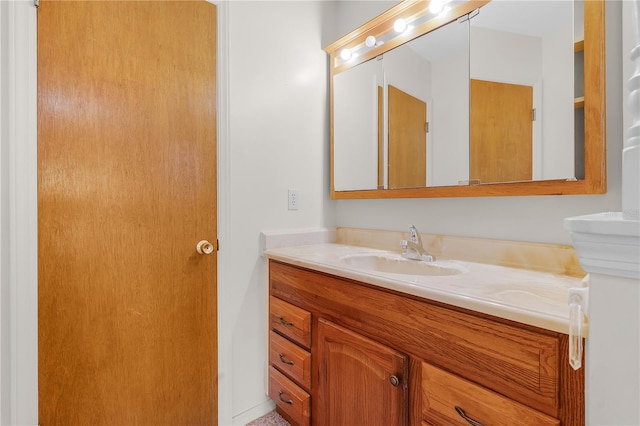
204, 247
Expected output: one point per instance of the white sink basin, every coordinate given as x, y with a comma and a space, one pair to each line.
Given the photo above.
396, 264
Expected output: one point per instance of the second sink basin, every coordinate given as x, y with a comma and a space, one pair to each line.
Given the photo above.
396, 264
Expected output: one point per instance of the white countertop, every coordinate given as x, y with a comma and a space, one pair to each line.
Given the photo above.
529, 297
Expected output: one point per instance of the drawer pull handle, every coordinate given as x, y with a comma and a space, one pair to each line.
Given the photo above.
285, 322
395, 381
467, 418
286, 401
284, 360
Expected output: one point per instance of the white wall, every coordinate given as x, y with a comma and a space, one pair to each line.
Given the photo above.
278, 139
355, 108
409, 72
506, 57
448, 136
557, 105
2, 227
18, 287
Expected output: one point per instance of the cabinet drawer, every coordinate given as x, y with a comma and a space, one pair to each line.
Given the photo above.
289, 397
290, 321
442, 392
290, 359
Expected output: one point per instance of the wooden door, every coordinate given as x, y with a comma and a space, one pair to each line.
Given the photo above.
127, 188
407, 140
501, 132
357, 380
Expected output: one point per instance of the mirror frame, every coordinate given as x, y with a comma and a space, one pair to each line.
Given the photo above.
595, 181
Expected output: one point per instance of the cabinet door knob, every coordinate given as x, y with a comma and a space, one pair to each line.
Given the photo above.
395, 381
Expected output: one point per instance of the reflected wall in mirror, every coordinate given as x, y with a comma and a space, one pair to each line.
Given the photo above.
428, 121
522, 91
355, 108
452, 88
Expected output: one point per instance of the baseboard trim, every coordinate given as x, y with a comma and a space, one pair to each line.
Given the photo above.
253, 413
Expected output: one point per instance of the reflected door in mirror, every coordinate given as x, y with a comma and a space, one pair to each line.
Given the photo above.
407, 140
501, 132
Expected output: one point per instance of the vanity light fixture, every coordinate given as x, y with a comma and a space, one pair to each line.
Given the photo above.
400, 25
370, 41
417, 15
345, 54
436, 6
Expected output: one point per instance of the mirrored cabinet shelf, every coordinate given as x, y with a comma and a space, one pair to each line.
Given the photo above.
478, 98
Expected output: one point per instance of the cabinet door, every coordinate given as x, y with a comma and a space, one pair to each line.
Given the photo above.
361, 382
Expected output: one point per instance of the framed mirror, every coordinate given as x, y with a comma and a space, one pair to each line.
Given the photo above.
424, 112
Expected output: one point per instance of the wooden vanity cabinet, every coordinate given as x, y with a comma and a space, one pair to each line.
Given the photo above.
388, 358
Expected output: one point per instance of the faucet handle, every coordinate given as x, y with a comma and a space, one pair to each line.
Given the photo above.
414, 236
404, 244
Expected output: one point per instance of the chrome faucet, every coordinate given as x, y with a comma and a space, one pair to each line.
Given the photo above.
413, 248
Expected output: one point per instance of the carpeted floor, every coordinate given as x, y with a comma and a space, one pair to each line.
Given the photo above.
269, 419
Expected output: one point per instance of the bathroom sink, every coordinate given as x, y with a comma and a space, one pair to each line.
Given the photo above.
396, 264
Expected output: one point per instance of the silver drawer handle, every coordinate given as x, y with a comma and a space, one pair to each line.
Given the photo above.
284, 360
467, 418
286, 401
285, 322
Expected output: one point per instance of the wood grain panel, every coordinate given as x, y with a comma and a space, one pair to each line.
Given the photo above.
572, 381
595, 128
443, 392
407, 140
290, 321
355, 379
290, 359
519, 362
127, 187
501, 136
292, 400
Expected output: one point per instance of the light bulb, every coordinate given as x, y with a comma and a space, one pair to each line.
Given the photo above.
370, 41
435, 6
400, 25
345, 54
